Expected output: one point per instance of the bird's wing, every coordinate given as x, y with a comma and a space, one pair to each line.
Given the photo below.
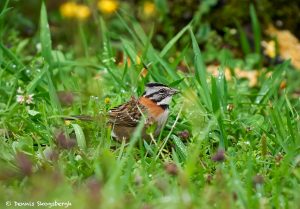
128, 114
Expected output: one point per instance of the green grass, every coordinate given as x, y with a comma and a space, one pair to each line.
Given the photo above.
42, 158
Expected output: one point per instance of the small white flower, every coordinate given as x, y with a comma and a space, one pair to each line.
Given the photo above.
247, 142
20, 90
29, 99
232, 31
20, 99
38, 47
78, 158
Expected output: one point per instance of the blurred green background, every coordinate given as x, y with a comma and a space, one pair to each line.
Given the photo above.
215, 21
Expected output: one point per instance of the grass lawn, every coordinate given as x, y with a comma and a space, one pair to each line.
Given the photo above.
232, 139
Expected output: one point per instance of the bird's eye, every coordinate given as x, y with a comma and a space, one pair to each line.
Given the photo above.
161, 91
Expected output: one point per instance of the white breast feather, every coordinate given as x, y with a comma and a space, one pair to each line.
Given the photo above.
163, 118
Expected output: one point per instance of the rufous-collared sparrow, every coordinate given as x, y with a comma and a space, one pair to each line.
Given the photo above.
153, 105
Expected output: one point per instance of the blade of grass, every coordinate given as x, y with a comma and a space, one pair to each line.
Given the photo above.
4, 10
172, 42
35, 82
256, 29
216, 105
14, 65
289, 125
157, 74
83, 38
292, 123
131, 32
243, 39
45, 38
222, 83
45, 35
268, 87
200, 71
108, 59
107, 54
52, 93
80, 138
129, 49
180, 147
140, 33
167, 67
278, 128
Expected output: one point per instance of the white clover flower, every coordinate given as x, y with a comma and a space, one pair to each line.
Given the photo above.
20, 99
29, 99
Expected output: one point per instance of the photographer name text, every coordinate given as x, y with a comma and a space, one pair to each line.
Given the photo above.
50, 204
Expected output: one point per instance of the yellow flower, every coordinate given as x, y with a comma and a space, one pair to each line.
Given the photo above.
82, 12
67, 122
68, 9
107, 6
73, 10
269, 48
149, 8
138, 59
107, 100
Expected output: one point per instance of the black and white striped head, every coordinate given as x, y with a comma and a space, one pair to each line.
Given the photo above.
160, 93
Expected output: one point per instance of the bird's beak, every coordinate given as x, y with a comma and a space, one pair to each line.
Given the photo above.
174, 91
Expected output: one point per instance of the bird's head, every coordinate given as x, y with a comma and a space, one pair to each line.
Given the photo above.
160, 93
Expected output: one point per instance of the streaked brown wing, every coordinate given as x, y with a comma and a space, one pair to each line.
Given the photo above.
128, 114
